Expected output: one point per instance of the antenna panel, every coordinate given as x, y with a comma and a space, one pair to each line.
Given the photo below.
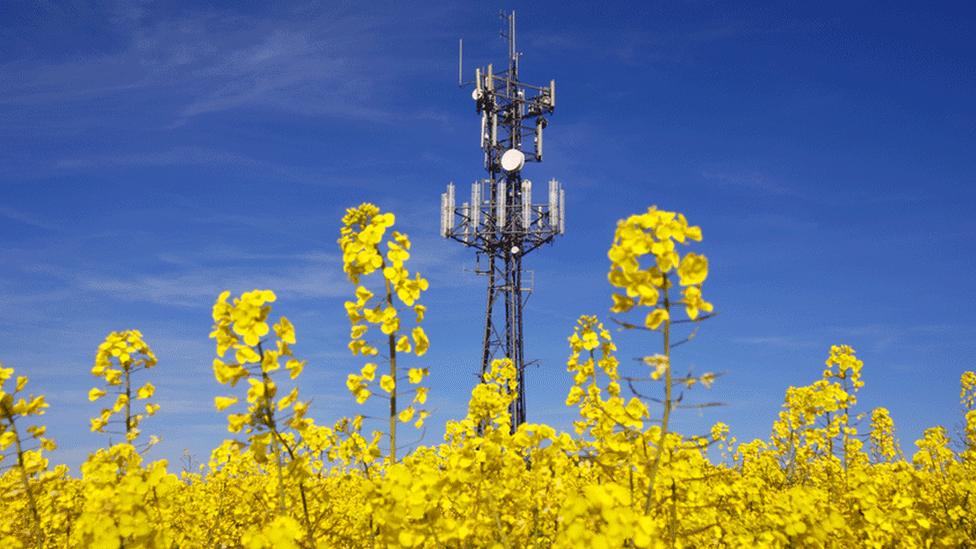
562, 211
526, 203
502, 203
538, 139
475, 205
450, 207
494, 129
553, 202
444, 215
484, 124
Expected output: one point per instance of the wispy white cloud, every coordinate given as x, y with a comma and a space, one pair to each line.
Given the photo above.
675, 44
778, 221
779, 341
177, 156
324, 63
26, 218
753, 181
915, 337
183, 156
190, 288
187, 406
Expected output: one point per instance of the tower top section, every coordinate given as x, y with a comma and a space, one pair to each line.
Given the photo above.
503, 100
514, 115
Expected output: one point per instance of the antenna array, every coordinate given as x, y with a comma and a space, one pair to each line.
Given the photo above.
501, 220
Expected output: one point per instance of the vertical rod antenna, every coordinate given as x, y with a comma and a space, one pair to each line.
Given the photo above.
512, 53
460, 55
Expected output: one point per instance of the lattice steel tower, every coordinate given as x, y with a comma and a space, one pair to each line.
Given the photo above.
500, 221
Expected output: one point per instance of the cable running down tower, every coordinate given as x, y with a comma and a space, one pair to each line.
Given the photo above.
500, 221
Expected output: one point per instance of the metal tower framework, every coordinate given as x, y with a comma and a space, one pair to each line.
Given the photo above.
500, 221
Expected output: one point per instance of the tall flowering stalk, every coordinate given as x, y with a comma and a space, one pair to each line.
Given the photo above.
362, 242
119, 357
610, 423
242, 326
814, 416
844, 366
657, 233
884, 445
967, 397
15, 406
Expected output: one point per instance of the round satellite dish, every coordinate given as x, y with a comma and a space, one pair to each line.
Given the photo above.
513, 160
476, 94
515, 250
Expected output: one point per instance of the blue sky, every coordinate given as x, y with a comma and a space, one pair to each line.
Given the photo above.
154, 155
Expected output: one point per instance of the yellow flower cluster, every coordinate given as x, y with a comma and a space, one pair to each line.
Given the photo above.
619, 478
967, 391
361, 239
816, 419
884, 446
656, 233
121, 355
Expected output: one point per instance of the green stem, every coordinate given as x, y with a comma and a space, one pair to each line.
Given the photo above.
273, 427
666, 417
278, 457
128, 405
393, 374
32, 503
301, 484
673, 530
